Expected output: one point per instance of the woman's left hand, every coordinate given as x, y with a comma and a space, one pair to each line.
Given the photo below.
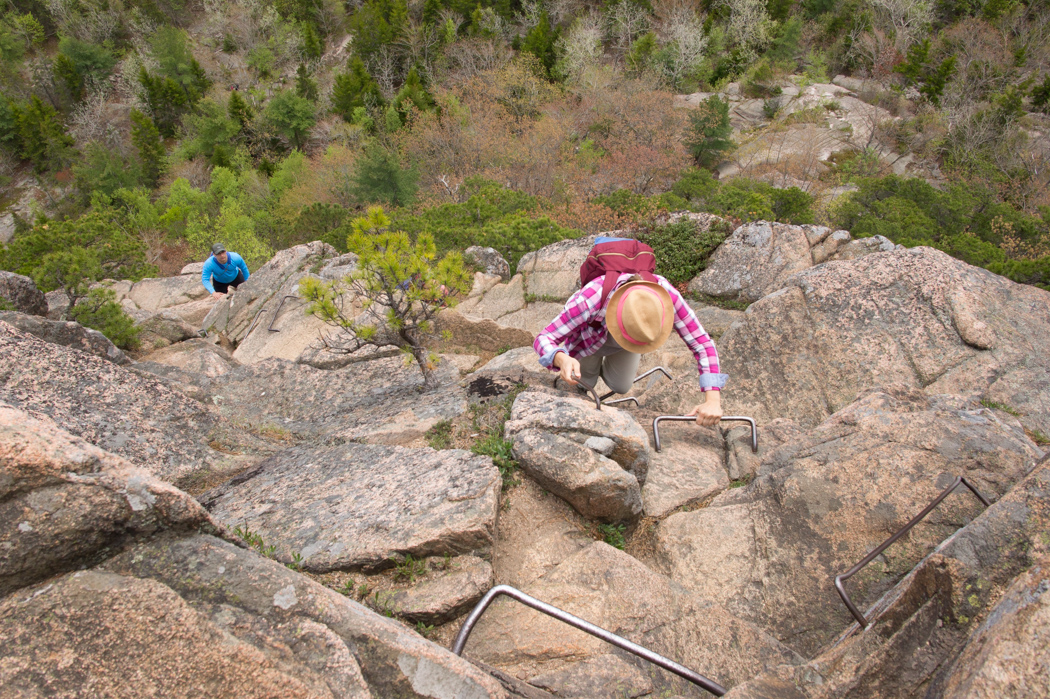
709, 412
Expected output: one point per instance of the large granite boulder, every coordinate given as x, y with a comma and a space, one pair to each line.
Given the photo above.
161, 329
592, 459
376, 401
769, 551
689, 468
615, 591
65, 500
482, 334
156, 294
66, 333
21, 292
194, 355
260, 319
358, 507
114, 585
446, 594
553, 272
967, 621
917, 317
131, 415
759, 257
490, 261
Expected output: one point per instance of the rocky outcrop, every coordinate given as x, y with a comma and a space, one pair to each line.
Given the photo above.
689, 468
489, 260
66, 501
769, 551
554, 271
134, 416
613, 590
358, 507
377, 401
161, 329
260, 319
917, 317
592, 459
447, 594
196, 356
758, 258
66, 333
21, 292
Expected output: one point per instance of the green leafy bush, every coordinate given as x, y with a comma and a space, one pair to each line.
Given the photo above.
682, 249
101, 311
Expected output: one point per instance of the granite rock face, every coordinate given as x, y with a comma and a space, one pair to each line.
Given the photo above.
161, 329
445, 595
614, 591
113, 585
64, 501
260, 303
917, 317
358, 507
689, 468
21, 292
131, 415
554, 271
489, 260
378, 401
769, 551
196, 356
758, 258
66, 333
554, 439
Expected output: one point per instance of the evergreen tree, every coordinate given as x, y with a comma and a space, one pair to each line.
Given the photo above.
292, 115
42, 138
238, 110
710, 132
166, 99
540, 42
432, 12
354, 89
313, 47
146, 138
305, 87
413, 95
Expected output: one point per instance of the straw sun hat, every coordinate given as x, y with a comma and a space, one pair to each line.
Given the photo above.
639, 316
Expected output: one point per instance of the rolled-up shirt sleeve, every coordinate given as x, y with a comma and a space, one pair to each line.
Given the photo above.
579, 310
688, 327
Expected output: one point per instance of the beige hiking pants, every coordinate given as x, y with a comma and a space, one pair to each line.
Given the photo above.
616, 366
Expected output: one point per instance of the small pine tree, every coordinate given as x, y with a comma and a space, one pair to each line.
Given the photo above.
68, 79
100, 310
292, 115
313, 47
42, 138
432, 12
146, 138
380, 178
413, 95
710, 134
403, 287
305, 87
238, 110
354, 89
541, 41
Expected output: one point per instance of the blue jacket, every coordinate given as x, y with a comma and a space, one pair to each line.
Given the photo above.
224, 273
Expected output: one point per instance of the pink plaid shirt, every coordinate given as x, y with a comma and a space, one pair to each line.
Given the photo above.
572, 331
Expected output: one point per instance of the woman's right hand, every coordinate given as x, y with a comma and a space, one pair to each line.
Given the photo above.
569, 368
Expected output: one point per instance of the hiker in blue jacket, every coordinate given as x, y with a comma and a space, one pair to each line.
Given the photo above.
223, 270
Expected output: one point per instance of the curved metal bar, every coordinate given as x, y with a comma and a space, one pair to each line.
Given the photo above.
591, 391
254, 320
279, 307
839, 579
689, 418
622, 400
585, 626
653, 371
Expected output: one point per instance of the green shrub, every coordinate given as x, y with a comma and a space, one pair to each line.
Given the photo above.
515, 236
682, 250
101, 311
380, 178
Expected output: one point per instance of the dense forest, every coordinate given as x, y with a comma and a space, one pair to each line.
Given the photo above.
134, 133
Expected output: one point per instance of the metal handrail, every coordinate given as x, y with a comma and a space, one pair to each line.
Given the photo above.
959, 480
279, 307
256, 318
585, 626
692, 418
622, 400
636, 379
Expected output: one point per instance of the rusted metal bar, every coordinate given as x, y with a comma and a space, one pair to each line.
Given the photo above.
254, 320
585, 626
593, 394
279, 307
636, 380
839, 579
692, 418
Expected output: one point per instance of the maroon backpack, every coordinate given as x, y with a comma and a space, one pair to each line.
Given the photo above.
617, 256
